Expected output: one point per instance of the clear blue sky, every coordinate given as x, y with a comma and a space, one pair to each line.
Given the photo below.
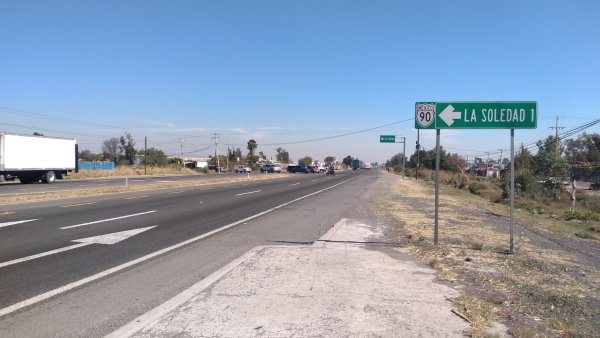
285, 71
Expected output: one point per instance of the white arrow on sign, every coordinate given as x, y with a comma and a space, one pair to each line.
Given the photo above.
449, 115
102, 239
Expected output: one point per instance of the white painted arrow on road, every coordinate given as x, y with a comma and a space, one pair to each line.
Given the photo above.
449, 115
102, 239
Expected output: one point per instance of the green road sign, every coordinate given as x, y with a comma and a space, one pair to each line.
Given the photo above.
387, 139
476, 115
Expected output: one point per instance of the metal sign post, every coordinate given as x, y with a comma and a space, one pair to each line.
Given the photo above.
512, 189
476, 115
392, 139
437, 185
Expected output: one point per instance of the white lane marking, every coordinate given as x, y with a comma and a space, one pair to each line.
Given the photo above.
144, 320
47, 253
293, 184
314, 180
102, 239
70, 286
166, 181
247, 193
6, 224
107, 220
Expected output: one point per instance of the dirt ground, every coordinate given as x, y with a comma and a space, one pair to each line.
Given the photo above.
549, 287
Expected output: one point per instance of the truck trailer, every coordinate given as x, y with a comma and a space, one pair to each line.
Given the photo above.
32, 158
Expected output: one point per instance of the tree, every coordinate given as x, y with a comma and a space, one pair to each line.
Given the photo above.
282, 155
252, 159
35, 133
262, 155
523, 158
583, 153
127, 147
87, 155
329, 160
252, 145
549, 145
395, 160
547, 165
347, 160
305, 161
110, 149
156, 158
456, 163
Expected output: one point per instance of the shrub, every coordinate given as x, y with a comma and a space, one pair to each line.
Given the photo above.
476, 187
590, 202
581, 215
460, 181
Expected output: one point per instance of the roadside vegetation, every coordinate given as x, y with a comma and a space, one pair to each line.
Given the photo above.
550, 286
130, 160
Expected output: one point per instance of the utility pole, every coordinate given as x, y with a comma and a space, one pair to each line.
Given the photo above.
418, 151
228, 144
216, 138
557, 128
145, 154
500, 160
181, 146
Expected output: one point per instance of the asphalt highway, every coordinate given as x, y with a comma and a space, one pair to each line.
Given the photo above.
149, 245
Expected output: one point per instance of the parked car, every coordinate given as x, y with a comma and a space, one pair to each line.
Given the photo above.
242, 169
314, 169
270, 168
298, 169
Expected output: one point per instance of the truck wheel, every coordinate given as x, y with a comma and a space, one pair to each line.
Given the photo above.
49, 177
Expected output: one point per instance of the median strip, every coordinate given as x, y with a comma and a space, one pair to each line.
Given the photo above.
135, 197
77, 205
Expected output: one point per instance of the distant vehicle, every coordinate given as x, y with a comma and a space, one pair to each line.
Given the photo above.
314, 169
355, 164
242, 169
270, 168
330, 171
298, 169
216, 168
32, 158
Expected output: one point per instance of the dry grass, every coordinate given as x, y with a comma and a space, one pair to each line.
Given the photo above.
128, 171
536, 285
478, 312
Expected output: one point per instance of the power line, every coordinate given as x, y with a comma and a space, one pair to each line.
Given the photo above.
336, 136
21, 112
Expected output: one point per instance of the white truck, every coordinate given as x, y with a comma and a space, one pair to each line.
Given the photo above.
33, 158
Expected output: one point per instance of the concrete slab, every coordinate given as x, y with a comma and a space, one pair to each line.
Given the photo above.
334, 288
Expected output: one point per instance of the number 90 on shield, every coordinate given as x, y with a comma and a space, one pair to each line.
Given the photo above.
425, 115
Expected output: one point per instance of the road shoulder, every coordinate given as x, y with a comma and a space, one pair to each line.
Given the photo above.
335, 287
